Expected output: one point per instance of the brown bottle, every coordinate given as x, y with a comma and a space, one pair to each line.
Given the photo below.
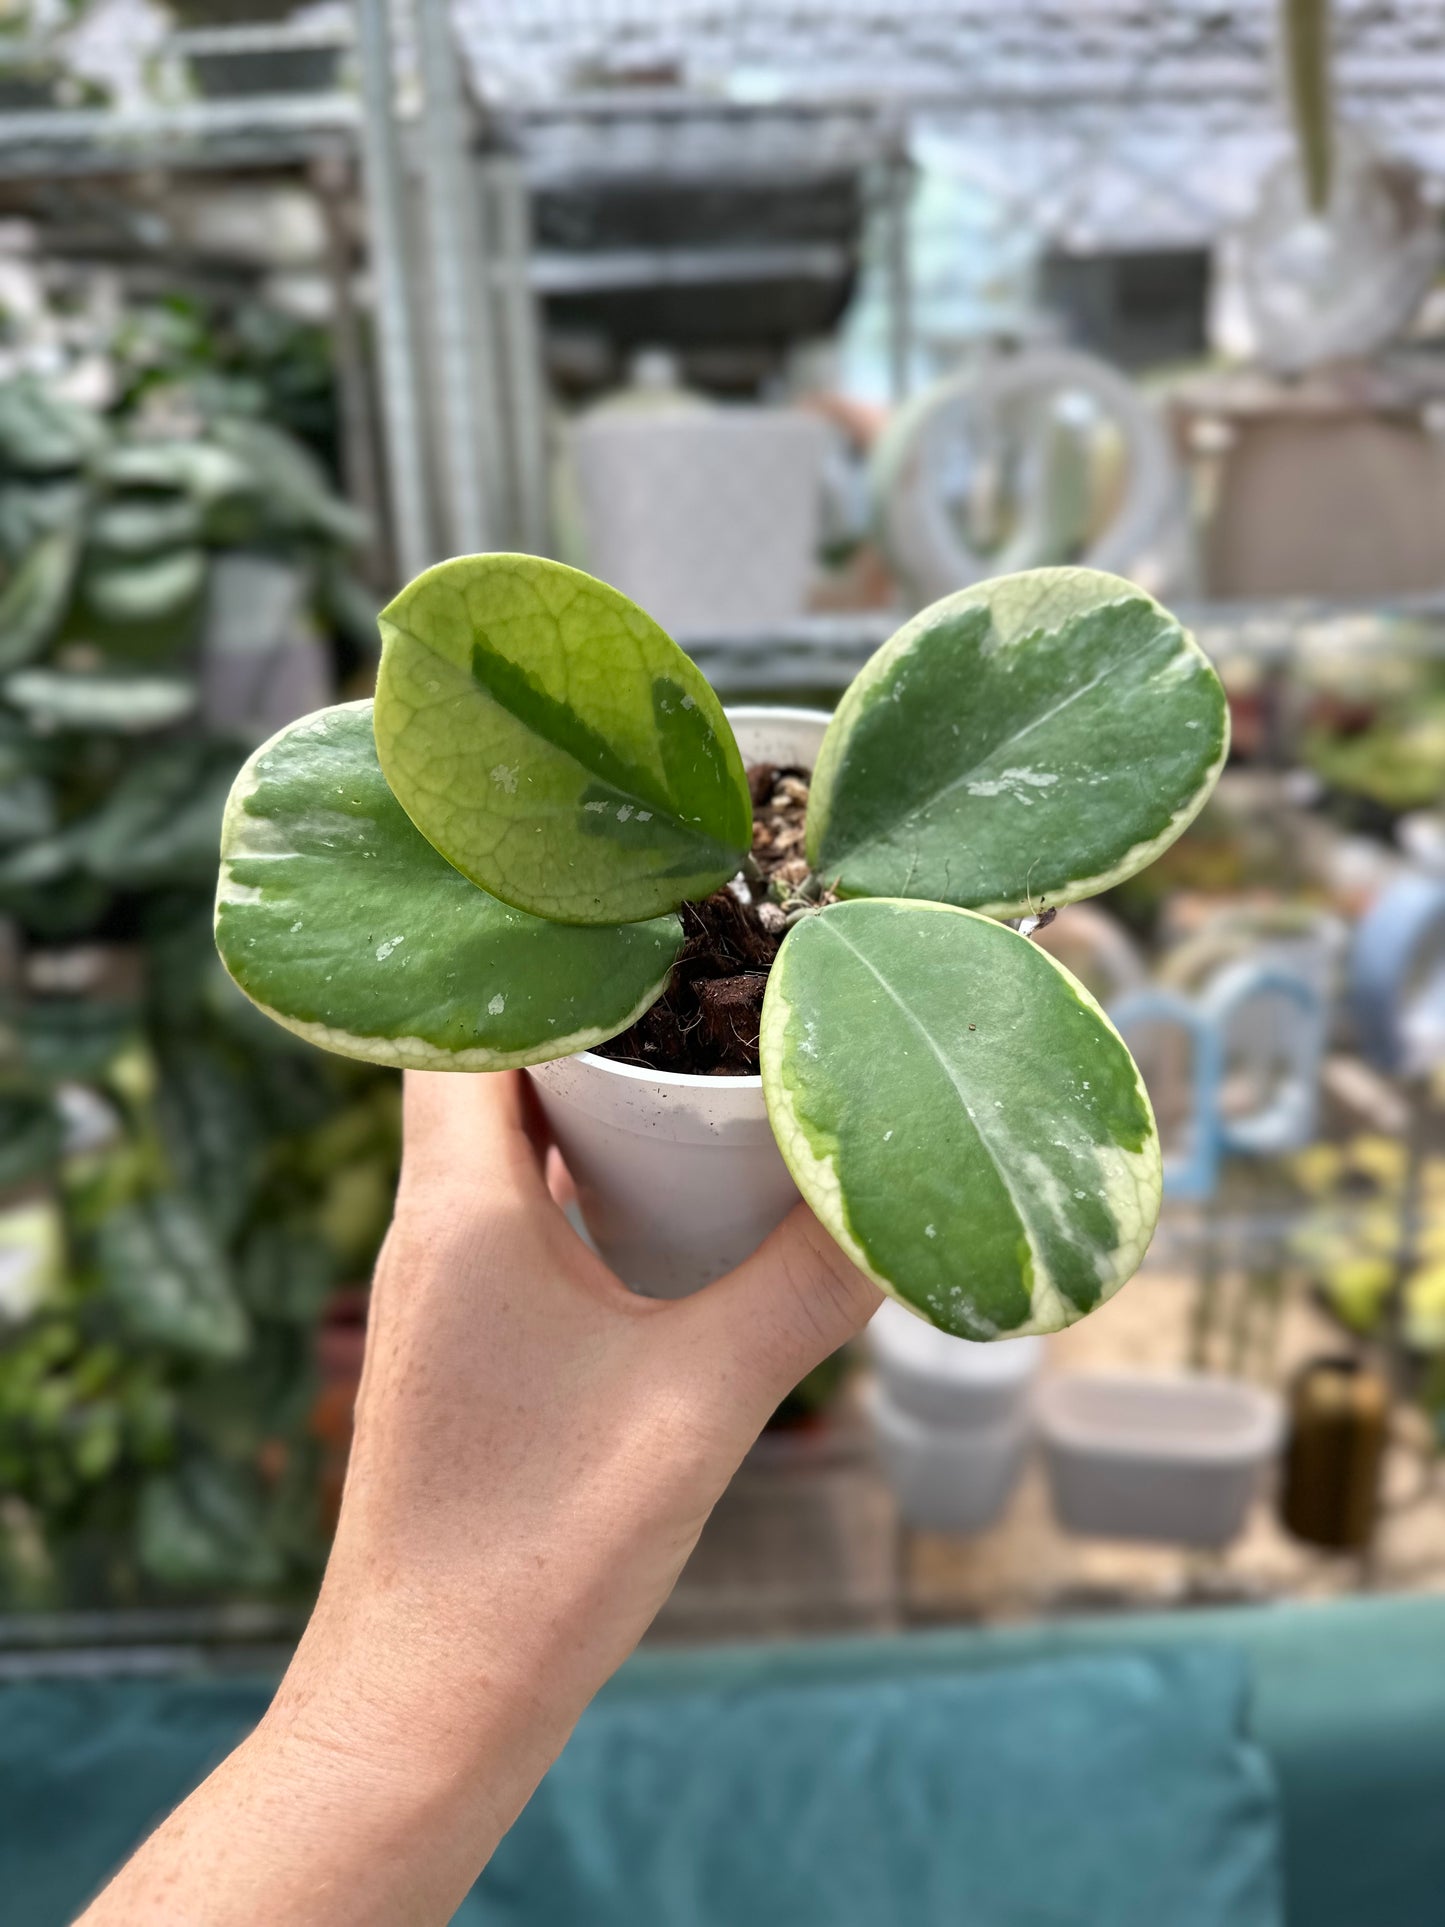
1339, 1427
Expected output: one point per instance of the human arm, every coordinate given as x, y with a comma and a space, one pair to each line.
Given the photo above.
536, 1451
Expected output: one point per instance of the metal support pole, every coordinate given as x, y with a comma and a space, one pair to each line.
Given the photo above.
333, 181
900, 270
511, 215
391, 285
466, 408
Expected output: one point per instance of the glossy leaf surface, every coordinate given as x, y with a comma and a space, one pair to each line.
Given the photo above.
554, 744
960, 1115
1030, 740
344, 924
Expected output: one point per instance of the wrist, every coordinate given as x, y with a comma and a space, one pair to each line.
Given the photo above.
413, 1718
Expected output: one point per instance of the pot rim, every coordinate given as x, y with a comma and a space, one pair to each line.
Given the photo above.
691, 1080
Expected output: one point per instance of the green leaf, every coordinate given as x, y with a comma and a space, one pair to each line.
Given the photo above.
205, 1526
154, 589
164, 1272
119, 705
960, 1115
212, 1133
285, 1273
344, 924
31, 1135
35, 598
547, 737
291, 487
34, 507
40, 434
27, 802
209, 475
143, 523
161, 822
70, 1037
1030, 740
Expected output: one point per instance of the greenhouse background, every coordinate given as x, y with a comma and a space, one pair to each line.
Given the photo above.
786, 319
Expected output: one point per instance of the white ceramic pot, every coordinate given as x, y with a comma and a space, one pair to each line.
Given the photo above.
946, 1478
678, 1178
949, 1381
1170, 1458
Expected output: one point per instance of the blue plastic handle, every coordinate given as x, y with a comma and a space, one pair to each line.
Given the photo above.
1399, 933
1193, 1172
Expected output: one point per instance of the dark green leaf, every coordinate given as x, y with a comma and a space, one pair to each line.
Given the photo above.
212, 1133
204, 1527
289, 484
162, 822
341, 922
960, 1114
40, 434
143, 593
1030, 740
285, 1273
165, 1274
57, 699
142, 524
30, 1136
35, 599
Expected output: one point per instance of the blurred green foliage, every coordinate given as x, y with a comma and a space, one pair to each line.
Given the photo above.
182, 1185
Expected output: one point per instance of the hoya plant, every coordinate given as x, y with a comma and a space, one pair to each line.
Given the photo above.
483, 869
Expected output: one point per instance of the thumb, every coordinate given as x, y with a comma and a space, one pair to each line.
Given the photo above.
783, 1310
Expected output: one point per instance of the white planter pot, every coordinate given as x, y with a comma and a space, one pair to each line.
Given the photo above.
946, 1478
709, 517
1174, 1459
949, 1381
678, 1178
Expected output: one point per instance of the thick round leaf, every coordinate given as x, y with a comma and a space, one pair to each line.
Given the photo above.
344, 924
960, 1114
65, 699
290, 485
151, 590
40, 432
554, 744
35, 598
1030, 740
142, 523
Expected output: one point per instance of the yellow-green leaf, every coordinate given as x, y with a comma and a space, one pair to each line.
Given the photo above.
554, 744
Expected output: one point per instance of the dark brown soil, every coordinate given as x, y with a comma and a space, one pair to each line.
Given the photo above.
706, 1022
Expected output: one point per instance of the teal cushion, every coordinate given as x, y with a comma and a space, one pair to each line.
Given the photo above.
1117, 1791
1347, 1702
87, 1768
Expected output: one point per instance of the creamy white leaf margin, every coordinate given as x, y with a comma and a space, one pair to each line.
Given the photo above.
239, 827
1132, 1189
889, 660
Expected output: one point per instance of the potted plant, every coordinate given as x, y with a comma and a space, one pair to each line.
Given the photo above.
518, 851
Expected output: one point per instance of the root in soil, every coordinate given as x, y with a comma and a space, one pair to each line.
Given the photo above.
706, 1021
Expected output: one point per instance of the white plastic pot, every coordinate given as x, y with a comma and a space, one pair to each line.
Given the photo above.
946, 1478
1170, 1458
678, 1178
949, 1381
707, 516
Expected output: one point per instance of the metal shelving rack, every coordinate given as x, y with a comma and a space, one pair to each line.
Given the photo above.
458, 386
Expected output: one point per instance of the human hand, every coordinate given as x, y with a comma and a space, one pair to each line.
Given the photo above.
536, 1451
